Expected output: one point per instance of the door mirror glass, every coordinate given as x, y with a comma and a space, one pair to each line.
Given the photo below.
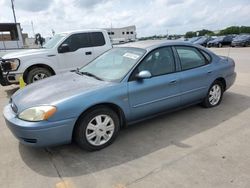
143, 75
63, 48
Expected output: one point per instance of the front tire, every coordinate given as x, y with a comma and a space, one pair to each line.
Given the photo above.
37, 73
214, 95
97, 129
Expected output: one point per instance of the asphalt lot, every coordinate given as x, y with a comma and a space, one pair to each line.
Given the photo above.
194, 147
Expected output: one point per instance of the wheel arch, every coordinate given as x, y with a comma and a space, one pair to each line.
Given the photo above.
25, 74
223, 81
117, 109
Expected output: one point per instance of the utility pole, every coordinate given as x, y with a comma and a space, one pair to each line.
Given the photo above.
32, 26
13, 9
14, 14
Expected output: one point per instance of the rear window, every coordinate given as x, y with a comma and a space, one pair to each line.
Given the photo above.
97, 39
207, 56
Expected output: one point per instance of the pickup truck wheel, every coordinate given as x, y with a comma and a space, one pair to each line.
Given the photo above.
214, 95
97, 129
37, 73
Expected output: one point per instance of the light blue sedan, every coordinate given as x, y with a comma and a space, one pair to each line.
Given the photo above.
125, 85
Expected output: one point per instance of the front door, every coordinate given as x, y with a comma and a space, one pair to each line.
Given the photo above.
81, 52
158, 93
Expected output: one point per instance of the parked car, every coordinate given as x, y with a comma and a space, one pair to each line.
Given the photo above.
220, 41
64, 52
124, 85
241, 40
203, 40
193, 39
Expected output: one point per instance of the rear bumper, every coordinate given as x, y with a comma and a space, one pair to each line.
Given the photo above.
39, 134
230, 79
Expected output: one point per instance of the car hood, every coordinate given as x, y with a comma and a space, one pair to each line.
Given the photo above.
25, 53
55, 89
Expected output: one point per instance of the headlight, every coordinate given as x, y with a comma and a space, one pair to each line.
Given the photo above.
11, 64
37, 113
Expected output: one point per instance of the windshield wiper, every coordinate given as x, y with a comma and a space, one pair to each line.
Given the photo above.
88, 74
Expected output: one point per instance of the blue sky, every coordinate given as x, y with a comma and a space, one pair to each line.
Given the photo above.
150, 16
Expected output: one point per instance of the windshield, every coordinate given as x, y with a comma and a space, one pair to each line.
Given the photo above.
114, 64
202, 39
194, 39
219, 38
53, 41
242, 37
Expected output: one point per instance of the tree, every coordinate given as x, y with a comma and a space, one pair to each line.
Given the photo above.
190, 34
230, 30
205, 32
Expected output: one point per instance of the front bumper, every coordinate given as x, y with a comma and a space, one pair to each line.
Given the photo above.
39, 134
7, 78
212, 44
238, 44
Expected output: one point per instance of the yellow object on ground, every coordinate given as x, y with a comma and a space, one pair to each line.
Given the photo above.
22, 84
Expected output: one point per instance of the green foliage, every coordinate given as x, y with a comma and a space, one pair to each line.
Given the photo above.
202, 32
235, 30
190, 34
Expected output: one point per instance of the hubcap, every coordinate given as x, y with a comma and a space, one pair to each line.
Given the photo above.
214, 94
100, 130
39, 76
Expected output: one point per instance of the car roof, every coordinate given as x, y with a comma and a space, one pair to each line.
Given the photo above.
151, 44
82, 31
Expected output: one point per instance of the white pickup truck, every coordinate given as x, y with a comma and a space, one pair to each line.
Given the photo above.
64, 52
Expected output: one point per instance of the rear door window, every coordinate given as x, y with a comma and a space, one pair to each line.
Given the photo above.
190, 57
97, 39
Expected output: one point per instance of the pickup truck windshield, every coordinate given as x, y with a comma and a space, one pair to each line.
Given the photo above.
53, 41
114, 64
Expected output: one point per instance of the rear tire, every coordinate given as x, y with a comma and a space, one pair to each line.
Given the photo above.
97, 129
214, 95
37, 73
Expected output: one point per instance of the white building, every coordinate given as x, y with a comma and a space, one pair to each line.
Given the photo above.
11, 36
122, 35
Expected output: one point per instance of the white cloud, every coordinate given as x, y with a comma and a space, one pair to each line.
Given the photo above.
150, 17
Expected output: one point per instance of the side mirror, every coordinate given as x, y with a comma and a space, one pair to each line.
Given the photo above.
63, 48
143, 75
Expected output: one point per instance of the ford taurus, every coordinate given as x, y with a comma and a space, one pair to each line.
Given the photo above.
125, 85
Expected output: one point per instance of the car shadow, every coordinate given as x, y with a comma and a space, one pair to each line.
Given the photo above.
10, 90
135, 141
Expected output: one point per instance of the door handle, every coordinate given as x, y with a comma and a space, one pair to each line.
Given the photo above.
209, 72
173, 82
88, 53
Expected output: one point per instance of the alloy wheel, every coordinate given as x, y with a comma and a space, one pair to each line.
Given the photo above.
215, 95
39, 76
100, 130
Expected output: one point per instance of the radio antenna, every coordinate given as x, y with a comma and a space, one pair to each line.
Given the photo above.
228, 52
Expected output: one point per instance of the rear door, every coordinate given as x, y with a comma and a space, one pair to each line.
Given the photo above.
99, 44
158, 93
196, 74
81, 52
